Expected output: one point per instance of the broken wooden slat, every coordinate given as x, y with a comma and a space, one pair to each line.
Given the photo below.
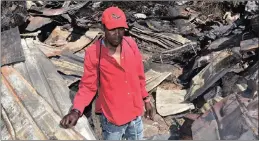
170, 102
11, 49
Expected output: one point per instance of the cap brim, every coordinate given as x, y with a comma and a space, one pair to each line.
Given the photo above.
116, 25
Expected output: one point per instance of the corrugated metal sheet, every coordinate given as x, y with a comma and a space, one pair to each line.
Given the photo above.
29, 114
153, 78
11, 49
45, 79
218, 67
68, 66
35, 98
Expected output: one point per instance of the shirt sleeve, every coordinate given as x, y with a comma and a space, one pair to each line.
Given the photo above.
87, 86
141, 73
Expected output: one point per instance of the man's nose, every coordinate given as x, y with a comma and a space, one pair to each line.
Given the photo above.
116, 32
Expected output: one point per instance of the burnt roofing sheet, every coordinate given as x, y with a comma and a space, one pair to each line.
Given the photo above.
11, 49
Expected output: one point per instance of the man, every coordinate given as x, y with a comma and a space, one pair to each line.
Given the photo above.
122, 82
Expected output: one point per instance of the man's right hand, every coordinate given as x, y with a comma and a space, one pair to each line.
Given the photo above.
70, 119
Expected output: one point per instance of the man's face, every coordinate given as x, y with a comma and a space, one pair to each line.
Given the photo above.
114, 36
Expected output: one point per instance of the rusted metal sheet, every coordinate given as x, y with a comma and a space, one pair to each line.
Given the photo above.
79, 44
233, 118
71, 40
170, 102
44, 77
23, 124
11, 49
48, 50
40, 115
211, 74
57, 36
37, 22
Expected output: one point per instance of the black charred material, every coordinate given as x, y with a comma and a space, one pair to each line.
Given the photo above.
13, 13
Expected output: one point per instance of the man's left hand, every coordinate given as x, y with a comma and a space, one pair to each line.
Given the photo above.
149, 111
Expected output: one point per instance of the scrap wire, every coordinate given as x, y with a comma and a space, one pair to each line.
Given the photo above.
194, 50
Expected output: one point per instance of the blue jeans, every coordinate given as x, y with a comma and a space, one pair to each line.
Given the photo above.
130, 131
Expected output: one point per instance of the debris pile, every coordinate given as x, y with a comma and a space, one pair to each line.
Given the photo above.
200, 59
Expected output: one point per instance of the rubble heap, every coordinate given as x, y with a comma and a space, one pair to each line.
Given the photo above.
200, 59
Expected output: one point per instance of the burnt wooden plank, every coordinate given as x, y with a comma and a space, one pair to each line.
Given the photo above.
11, 49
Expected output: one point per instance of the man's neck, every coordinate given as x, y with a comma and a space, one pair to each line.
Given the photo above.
111, 47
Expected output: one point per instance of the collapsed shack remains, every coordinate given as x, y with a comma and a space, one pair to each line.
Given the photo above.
200, 59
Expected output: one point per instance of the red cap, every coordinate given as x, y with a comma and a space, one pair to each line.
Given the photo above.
114, 17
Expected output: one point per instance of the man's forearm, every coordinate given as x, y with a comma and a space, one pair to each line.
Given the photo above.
82, 99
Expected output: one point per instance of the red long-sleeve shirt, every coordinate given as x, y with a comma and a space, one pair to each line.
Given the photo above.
122, 87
